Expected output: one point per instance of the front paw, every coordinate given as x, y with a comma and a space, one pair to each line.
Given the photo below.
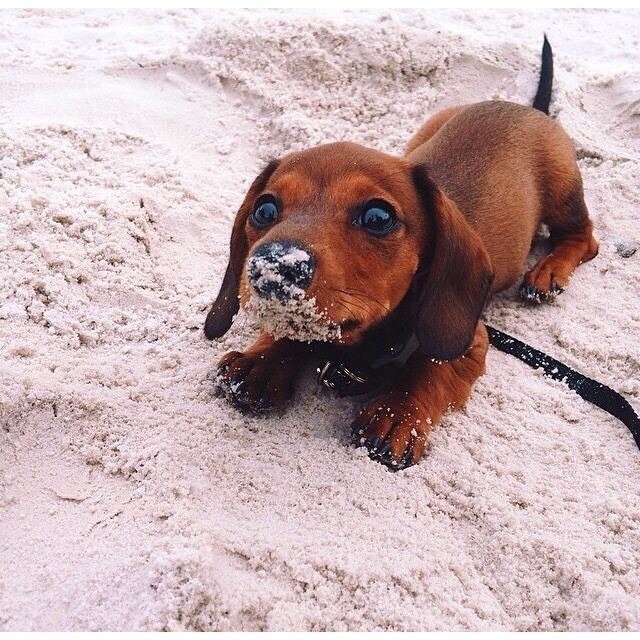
255, 381
393, 428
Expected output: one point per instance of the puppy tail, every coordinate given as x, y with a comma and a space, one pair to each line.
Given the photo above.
543, 95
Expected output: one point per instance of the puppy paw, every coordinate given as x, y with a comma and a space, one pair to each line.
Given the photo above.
393, 428
544, 282
533, 295
258, 381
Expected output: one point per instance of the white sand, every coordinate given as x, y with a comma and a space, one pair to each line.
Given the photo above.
130, 498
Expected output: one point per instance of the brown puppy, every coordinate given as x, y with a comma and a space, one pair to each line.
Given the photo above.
346, 244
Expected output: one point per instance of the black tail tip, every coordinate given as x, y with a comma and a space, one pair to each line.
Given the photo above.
543, 95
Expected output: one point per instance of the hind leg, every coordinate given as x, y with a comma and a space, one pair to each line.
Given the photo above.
572, 242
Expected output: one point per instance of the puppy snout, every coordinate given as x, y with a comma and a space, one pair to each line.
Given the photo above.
280, 269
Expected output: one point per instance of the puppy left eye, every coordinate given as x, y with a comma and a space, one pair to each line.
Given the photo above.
265, 212
377, 218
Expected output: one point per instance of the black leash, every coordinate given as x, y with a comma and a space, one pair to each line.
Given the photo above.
587, 388
356, 372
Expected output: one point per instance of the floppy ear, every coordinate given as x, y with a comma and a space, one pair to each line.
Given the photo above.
452, 286
226, 306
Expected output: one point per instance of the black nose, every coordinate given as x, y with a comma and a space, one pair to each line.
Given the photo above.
280, 269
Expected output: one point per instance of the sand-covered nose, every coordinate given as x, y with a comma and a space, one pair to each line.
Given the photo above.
280, 269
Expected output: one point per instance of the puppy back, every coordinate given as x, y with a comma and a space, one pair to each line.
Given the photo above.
499, 162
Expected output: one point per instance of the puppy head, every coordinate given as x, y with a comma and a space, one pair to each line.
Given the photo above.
330, 240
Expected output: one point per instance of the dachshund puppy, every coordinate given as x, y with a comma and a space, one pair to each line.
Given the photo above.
344, 245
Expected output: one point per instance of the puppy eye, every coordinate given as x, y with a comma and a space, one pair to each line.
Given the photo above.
265, 212
377, 218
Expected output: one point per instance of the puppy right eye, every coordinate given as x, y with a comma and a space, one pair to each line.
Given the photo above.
377, 218
265, 212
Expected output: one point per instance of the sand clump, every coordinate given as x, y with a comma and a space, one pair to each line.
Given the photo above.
297, 318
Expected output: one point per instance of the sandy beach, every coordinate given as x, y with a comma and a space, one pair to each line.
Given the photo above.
131, 498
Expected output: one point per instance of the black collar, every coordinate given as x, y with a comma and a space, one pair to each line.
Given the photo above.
363, 368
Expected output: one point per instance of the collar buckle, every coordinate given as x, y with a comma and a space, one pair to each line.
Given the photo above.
338, 377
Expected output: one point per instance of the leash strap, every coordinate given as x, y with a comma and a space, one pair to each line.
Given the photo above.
587, 388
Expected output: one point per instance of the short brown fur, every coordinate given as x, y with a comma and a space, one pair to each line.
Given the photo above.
470, 192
